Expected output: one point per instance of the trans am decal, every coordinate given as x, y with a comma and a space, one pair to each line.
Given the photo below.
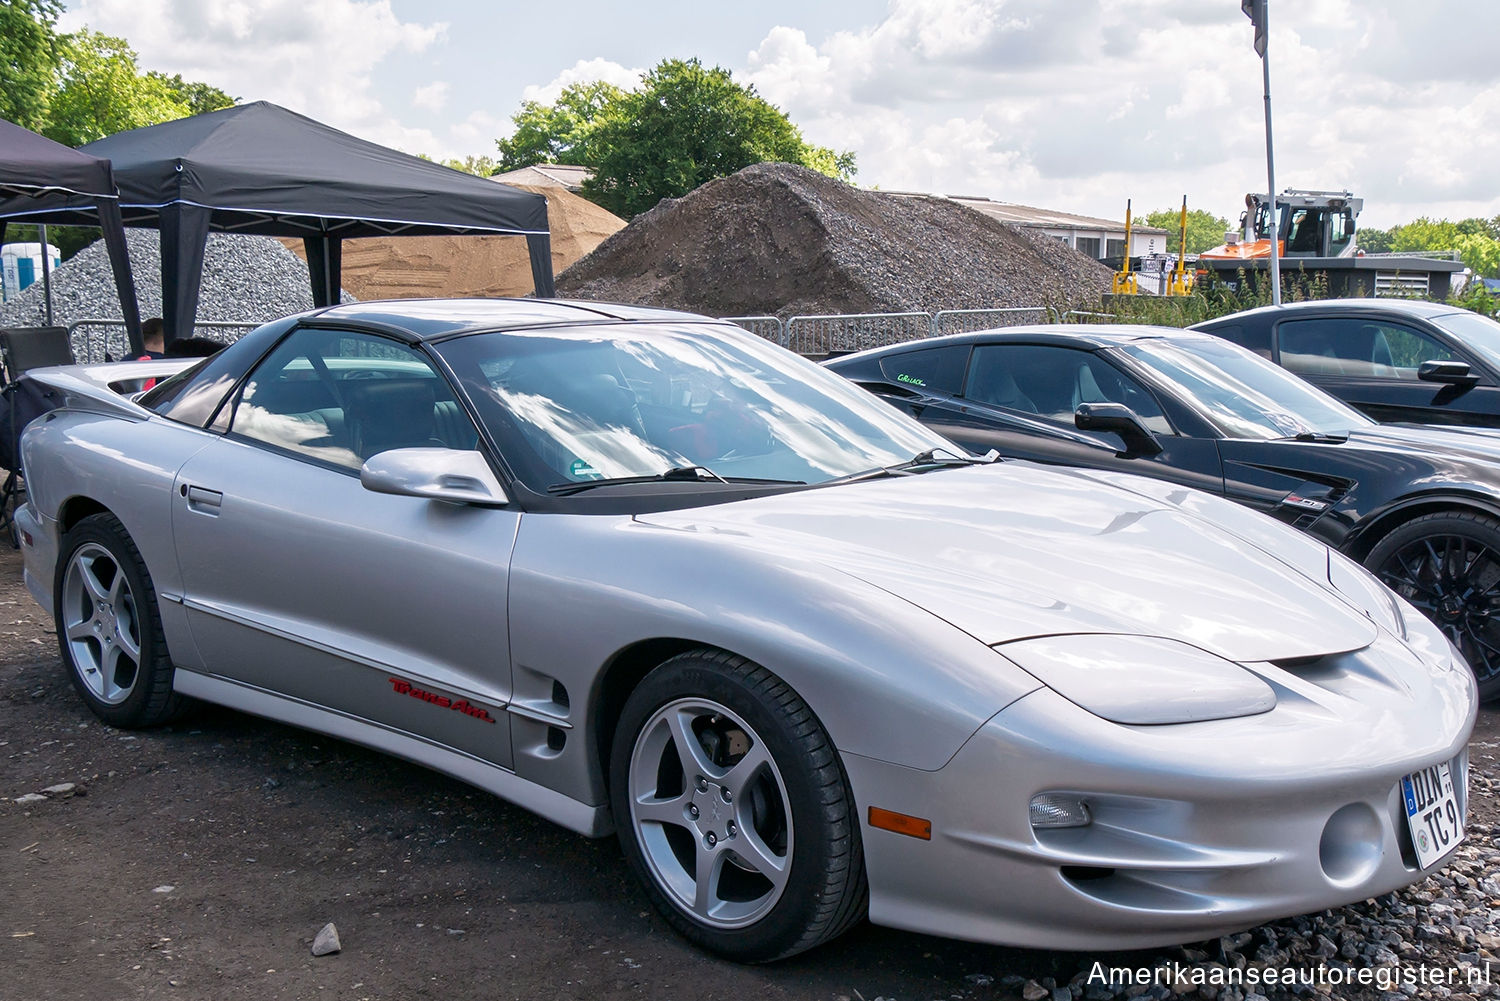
403, 687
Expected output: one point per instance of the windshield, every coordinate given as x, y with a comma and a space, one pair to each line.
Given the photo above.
1240, 393
568, 407
1474, 331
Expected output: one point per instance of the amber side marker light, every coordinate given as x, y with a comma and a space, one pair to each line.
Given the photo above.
901, 823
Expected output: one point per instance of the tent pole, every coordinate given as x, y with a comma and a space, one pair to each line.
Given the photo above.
46, 271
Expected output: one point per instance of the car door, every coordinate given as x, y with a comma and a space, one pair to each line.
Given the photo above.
1371, 363
299, 581
1019, 399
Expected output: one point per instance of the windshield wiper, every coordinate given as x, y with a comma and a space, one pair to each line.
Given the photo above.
921, 462
1319, 436
677, 474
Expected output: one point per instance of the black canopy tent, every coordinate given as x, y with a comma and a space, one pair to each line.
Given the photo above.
261, 169
41, 179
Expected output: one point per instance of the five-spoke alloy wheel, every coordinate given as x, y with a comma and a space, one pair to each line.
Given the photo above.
733, 809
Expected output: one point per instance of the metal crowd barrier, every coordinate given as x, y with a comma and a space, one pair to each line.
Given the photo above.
839, 333
94, 340
769, 327
962, 321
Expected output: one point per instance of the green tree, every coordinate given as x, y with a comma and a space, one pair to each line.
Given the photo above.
559, 132
685, 124
199, 97
29, 60
479, 166
104, 92
1472, 238
1204, 229
1374, 241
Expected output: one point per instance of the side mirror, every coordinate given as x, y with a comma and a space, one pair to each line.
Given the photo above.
1122, 421
442, 474
1449, 373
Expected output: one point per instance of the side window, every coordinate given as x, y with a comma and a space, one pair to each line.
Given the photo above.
940, 370
1341, 233
341, 397
1051, 382
1356, 348
1256, 338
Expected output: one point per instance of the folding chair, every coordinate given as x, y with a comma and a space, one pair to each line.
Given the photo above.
21, 350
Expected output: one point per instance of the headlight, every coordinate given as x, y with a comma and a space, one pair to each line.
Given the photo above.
1365, 592
1142, 679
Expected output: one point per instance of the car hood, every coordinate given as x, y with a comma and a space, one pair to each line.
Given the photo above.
1015, 550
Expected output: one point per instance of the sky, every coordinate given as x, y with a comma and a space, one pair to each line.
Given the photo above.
1072, 105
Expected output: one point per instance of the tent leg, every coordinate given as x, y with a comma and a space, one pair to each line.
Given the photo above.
184, 235
325, 267
113, 229
539, 246
46, 271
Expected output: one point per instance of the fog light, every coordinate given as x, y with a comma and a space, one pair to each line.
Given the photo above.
1052, 809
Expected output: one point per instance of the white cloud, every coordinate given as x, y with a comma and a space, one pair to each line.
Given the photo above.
431, 97
317, 57
1082, 106
584, 70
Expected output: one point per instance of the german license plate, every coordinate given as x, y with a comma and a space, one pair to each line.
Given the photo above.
1432, 813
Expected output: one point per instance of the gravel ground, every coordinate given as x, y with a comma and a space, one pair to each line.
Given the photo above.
201, 861
777, 238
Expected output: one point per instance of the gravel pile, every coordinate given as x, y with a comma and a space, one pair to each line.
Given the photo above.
245, 278
776, 238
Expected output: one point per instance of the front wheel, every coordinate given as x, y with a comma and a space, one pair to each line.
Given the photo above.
734, 811
1448, 565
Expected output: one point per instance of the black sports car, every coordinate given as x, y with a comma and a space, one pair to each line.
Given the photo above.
1420, 507
1394, 359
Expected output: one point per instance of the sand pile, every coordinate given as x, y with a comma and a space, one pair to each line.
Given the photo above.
407, 267
776, 238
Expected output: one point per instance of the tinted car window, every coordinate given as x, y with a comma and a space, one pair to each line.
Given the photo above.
1052, 381
1257, 338
341, 397
937, 369
1356, 347
192, 396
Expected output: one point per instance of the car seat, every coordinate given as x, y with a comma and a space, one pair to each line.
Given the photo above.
382, 414
1086, 387
991, 382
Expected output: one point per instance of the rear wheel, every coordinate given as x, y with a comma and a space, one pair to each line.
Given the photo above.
733, 809
1448, 565
108, 629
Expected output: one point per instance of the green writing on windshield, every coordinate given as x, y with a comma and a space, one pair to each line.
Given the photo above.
903, 377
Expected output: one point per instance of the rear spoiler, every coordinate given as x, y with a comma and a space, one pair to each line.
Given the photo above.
107, 388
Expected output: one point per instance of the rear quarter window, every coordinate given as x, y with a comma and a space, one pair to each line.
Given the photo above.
938, 370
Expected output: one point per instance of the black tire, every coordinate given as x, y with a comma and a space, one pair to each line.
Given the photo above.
740, 714
109, 630
1448, 565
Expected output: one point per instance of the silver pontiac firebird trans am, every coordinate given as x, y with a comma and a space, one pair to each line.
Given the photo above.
644, 573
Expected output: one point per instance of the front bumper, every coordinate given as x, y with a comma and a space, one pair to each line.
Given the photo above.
1199, 829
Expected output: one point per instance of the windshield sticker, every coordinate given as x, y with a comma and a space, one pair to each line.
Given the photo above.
903, 377
581, 470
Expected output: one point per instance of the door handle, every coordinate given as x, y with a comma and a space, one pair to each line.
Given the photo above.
203, 500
